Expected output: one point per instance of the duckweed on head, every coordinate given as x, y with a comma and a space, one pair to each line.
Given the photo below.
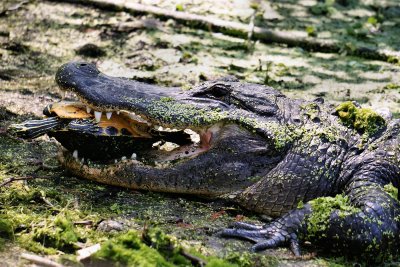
364, 120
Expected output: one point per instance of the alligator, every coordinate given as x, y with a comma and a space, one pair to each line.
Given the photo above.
325, 174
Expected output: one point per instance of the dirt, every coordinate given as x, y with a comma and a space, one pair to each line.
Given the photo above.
38, 36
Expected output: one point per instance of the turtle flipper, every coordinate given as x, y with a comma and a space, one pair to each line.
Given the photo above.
34, 128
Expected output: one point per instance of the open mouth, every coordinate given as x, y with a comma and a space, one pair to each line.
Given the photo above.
91, 135
117, 118
149, 142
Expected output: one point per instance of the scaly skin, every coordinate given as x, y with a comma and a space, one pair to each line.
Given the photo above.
268, 153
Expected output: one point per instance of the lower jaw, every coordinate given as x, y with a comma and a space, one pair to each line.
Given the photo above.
101, 173
145, 154
151, 158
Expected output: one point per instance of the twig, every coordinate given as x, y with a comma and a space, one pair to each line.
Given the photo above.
23, 178
45, 167
85, 253
45, 200
237, 29
88, 222
13, 179
40, 260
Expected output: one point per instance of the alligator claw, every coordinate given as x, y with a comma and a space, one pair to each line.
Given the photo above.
270, 236
295, 246
246, 226
251, 235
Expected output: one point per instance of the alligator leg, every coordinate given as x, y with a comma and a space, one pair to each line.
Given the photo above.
369, 225
373, 228
278, 233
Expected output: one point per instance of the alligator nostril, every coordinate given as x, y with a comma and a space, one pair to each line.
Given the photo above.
83, 64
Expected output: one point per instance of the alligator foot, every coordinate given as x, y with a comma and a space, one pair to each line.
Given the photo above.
268, 236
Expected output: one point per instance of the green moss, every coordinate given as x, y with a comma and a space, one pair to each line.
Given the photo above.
166, 245
26, 242
155, 248
179, 7
391, 190
323, 207
311, 31
2, 243
247, 259
6, 229
151, 248
129, 250
392, 86
325, 8
166, 99
219, 263
393, 60
59, 235
364, 120
282, 70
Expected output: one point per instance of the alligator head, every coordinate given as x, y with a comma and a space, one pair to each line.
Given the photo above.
217, 138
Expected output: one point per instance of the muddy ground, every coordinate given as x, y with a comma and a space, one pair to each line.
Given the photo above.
38, 36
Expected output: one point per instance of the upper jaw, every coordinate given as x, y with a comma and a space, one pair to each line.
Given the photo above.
167, 107
108, 93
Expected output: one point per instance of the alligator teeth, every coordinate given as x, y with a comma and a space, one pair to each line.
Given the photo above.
82, 160
123, 158
97, 115
133, 156
118, 112
88, 109
108, 115
75, 154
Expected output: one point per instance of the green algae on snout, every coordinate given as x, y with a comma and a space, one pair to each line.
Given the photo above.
323, 207
172, 113
364, 120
